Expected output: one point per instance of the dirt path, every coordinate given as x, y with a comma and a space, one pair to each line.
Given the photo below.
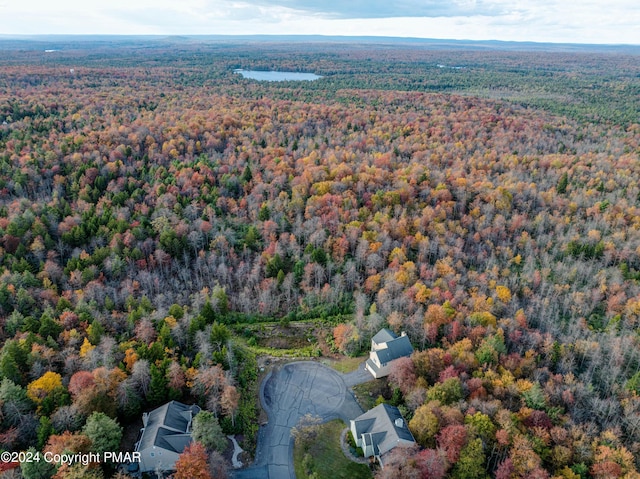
237, 450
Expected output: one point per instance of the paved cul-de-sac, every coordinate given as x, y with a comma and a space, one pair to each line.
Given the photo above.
289, 393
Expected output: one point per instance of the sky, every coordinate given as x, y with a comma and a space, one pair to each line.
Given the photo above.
568, 21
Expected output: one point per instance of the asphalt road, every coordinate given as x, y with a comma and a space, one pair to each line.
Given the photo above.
287, 394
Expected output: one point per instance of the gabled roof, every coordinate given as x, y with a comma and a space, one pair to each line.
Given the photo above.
169, 427
171, 440
383, 336
384, 426
364, 424
396, 348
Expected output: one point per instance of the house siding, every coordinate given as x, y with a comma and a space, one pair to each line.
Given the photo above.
368, 451
390, 350
383, 369
357, 438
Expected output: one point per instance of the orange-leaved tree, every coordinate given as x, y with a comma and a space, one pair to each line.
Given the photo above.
192, 463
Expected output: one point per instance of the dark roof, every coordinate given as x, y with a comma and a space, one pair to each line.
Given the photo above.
172, 441
383, 336
169, 427
396, 348
381, 426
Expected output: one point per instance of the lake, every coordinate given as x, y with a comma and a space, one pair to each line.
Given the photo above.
277, 76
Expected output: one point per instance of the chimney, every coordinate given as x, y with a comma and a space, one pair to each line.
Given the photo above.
399, 422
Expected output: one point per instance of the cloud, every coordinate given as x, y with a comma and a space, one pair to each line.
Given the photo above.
579, 21
390, 8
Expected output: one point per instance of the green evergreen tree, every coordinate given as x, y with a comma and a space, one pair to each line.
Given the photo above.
207, 431
37, 469
220, 334
49, 326
208, 313
15, 395
247, 176
95, 332
158, 388
197, 324
264, 214
534, 397
561, 187
176, 311
105, 433
44, 431
274, 266
13, 361
165, 336
319, 256
252, 238
219, 295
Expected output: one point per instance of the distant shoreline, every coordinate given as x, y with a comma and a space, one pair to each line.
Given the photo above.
428, 43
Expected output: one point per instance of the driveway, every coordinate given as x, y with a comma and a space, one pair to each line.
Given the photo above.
359, 376
289, 393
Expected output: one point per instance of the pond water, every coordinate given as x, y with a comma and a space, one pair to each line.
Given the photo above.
276, 76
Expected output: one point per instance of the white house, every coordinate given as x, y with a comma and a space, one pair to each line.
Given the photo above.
165, 433
386, 347
380, 430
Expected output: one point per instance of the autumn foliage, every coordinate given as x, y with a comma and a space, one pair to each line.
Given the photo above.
192, 463
156, 209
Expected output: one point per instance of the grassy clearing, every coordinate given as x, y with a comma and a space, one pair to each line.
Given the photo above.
306, 352
346, 365
293, 340
317, 455
368, 393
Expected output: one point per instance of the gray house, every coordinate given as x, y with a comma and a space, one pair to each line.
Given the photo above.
380, 430
386, 347
165, 433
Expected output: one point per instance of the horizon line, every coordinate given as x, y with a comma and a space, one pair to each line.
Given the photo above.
263, 36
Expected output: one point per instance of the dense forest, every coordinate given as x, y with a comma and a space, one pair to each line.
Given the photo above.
154, 205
